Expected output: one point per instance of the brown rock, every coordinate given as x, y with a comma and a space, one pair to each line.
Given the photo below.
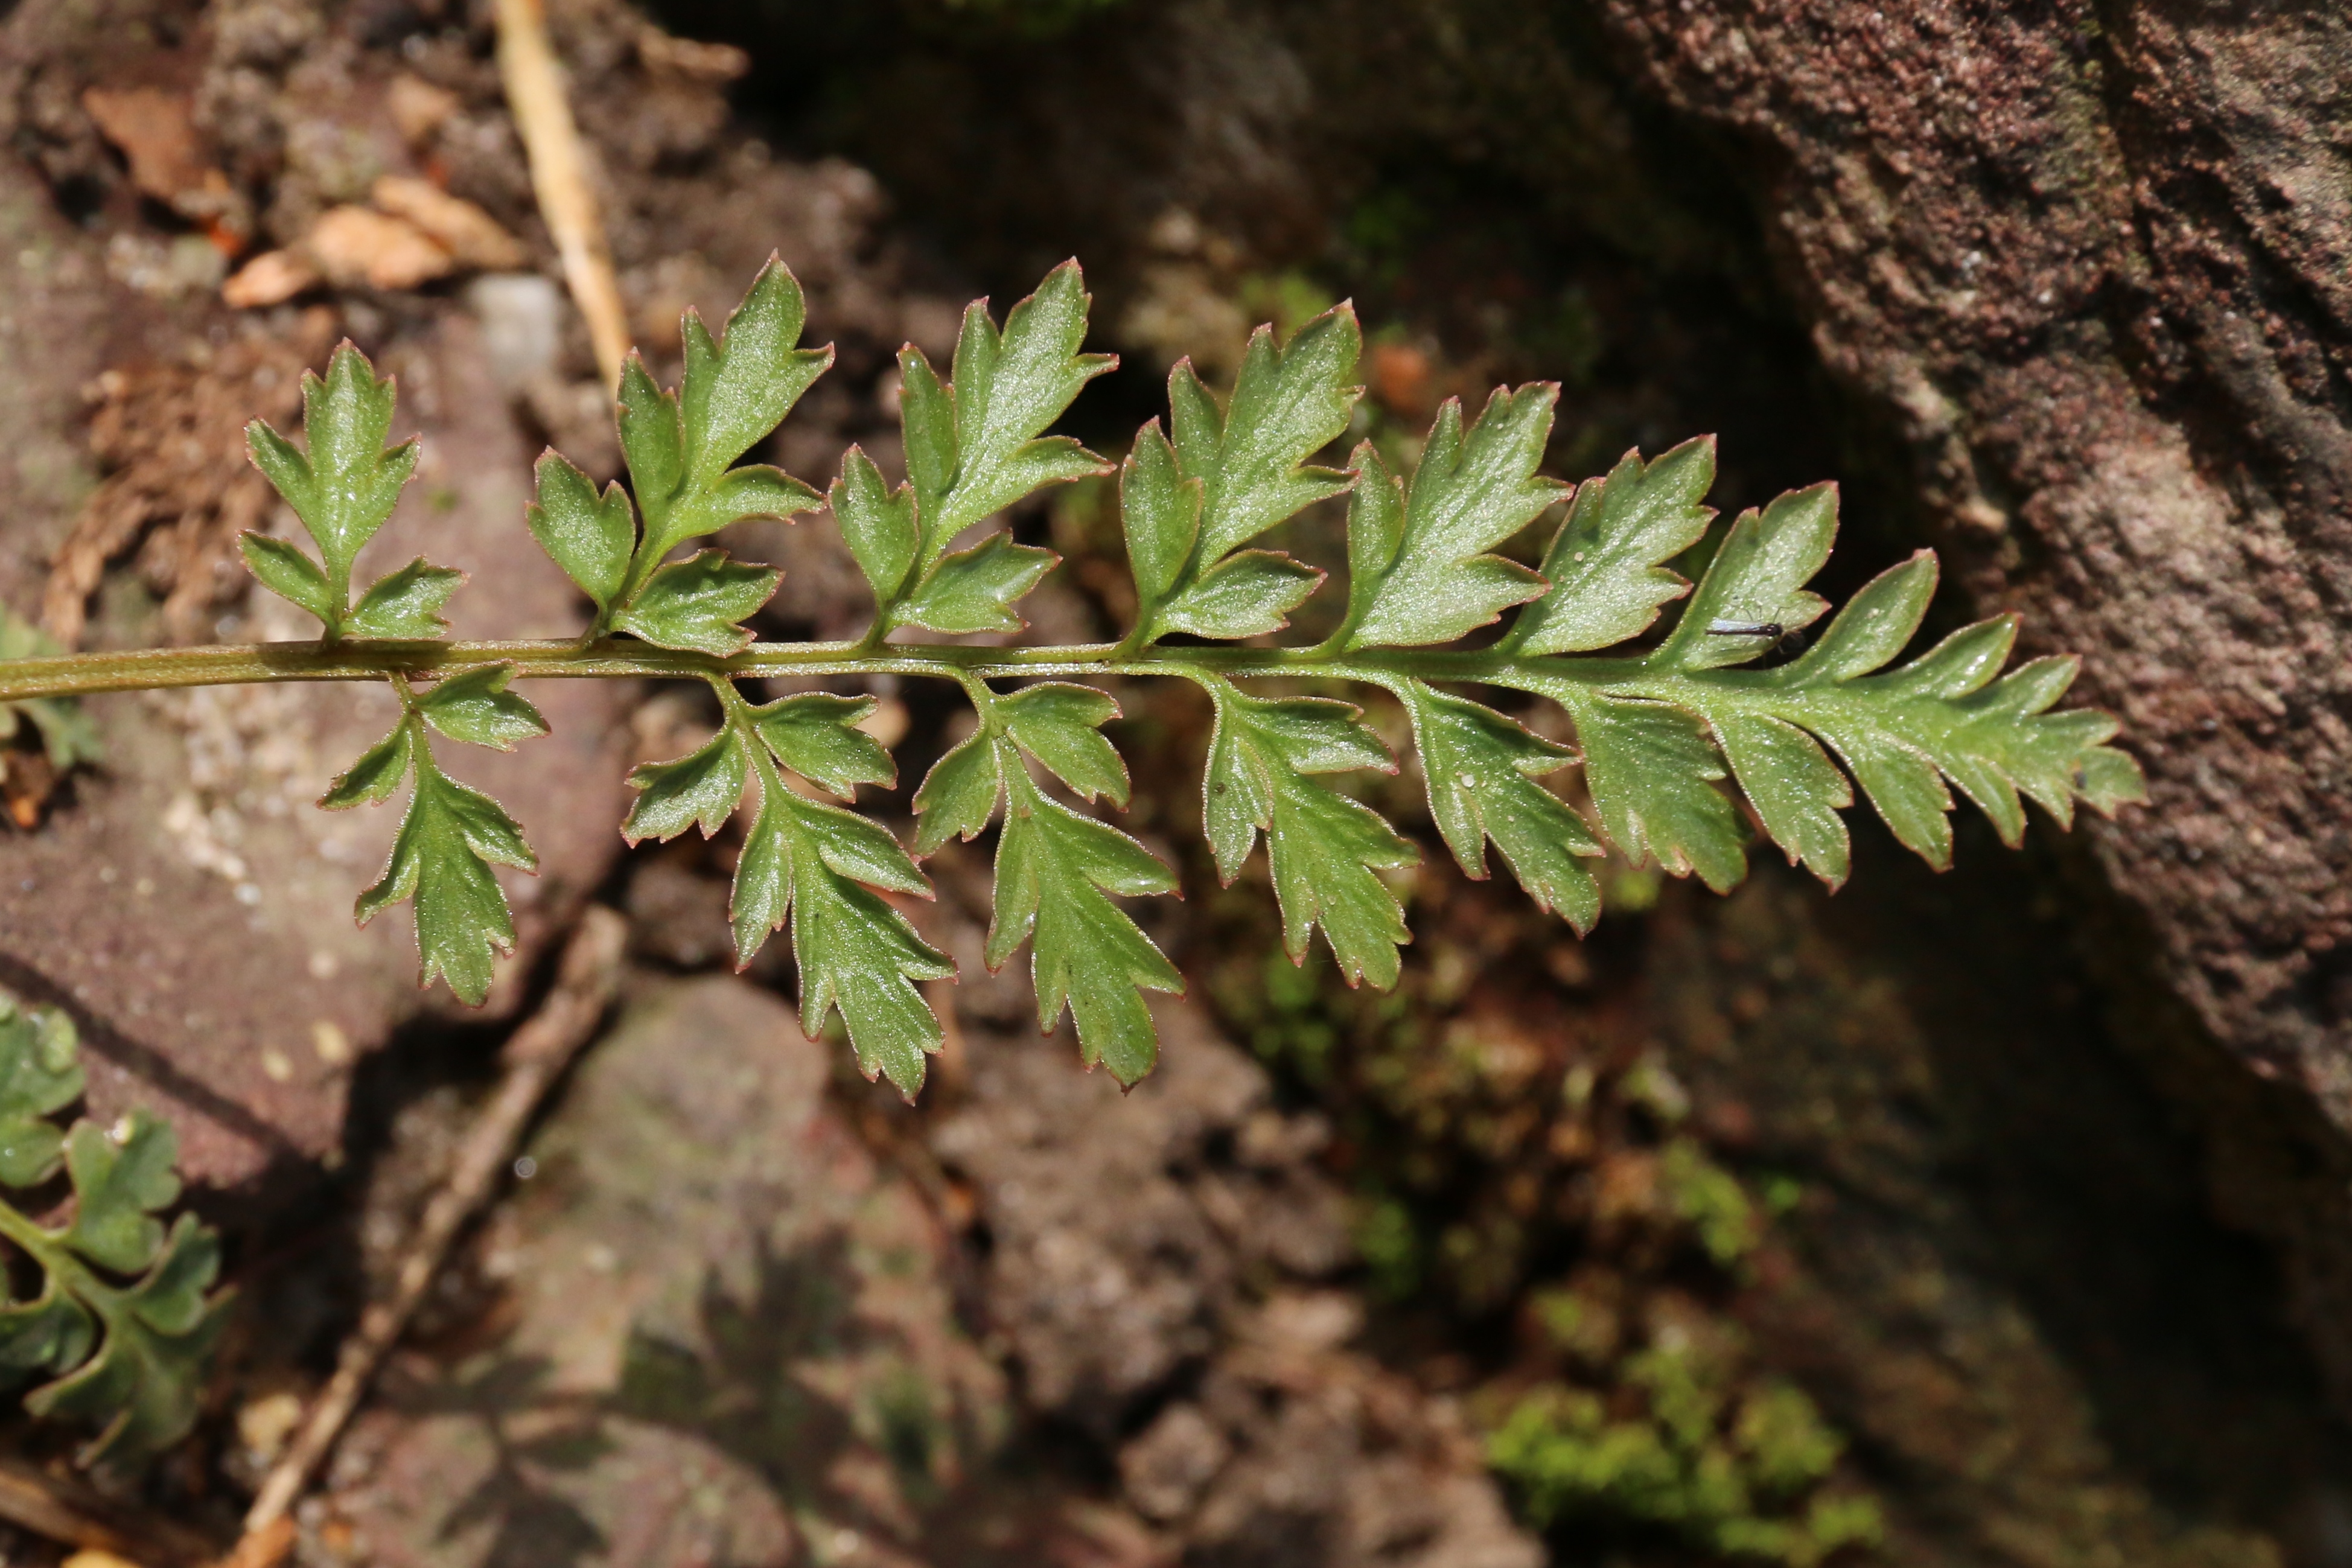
1166, 1467
2018, 1347
2113, 370
732, 1333
1105, 1297
1131, 1237
2086, 265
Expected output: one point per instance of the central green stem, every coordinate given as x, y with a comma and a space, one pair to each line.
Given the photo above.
89, 674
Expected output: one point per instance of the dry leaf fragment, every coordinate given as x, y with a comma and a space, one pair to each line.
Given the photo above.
154, 131
271, 278
157, 136
692, 59
419, 108
467, 233
354, 245
423, 233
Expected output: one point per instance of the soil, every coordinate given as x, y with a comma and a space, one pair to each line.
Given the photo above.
1971, 1169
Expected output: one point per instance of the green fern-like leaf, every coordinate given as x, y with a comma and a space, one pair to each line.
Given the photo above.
1056, 873
823, 869
451, 835
1230, 474
827, 868
1057, 870
1672, 729
681, 449
66, 732
975, 445
1903, 734
1481, 768
343, 489
1418, 567
1325, 850
122, 1326
1606, 566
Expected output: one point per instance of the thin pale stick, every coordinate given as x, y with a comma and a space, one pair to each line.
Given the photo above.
559, 176
535, 1057
72, 1511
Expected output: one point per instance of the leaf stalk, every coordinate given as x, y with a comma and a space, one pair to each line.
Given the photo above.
58, 1260
139, 669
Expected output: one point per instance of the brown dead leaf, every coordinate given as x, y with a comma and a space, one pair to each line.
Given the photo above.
459, 227
421, 233
354, 244
271, 278
155, 131
156, 134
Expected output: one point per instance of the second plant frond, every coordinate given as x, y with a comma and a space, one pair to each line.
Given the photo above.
1678, 720
117, 1334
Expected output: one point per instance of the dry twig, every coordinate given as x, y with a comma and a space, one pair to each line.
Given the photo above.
559, 174
535, 1057
65, 1509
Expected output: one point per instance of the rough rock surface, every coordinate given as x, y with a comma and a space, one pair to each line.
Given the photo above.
724, 1332
720, 1330
2090, 271
2002, 1277
1158, 1255
2084, 267
2074, 273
